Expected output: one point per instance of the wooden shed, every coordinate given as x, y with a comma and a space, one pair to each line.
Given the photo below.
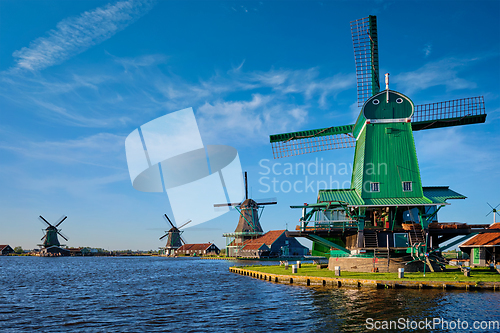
198, 249
483, 249
274, 243
5, 249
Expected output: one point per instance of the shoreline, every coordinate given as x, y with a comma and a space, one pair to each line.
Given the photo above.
338, 282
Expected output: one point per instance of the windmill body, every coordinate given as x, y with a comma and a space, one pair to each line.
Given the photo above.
51, 237
248, 223
174, 238
385, 155
386, 212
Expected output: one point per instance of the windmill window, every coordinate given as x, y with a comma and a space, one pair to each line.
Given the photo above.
375, 187
376, 102
407, 186
399, 100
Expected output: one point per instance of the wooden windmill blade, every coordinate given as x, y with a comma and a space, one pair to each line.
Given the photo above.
166, 217
266, 201
365, 42
228, 204
304, 142
185, 223
44, 220
61, 220
62, 235
456, 112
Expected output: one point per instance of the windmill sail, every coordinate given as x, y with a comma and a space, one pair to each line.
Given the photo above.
298, 143
462, 111
365, 42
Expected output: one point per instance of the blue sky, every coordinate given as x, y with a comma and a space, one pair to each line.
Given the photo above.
75, 81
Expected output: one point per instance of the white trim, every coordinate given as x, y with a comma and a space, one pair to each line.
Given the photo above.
386, 121
361, 131
411, 186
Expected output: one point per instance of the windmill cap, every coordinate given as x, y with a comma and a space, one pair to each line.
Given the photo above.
399, 107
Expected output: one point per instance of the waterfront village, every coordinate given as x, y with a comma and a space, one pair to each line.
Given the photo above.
385, 223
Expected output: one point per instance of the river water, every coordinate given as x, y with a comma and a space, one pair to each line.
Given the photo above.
157, 294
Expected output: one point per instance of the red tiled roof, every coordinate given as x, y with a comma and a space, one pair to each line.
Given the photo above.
255, 246
485, 239
268, 238
3, 247
194, 247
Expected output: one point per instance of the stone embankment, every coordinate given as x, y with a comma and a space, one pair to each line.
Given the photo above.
357, 283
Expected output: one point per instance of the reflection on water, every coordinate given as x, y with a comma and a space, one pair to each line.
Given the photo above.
131, 294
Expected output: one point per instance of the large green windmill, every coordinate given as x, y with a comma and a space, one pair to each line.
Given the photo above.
386, 189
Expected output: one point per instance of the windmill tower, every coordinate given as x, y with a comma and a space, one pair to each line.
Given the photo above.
386, 186
174, 240
50, 240
248, 223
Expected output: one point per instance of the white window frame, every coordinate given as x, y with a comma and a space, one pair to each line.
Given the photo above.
375, 187
411, 186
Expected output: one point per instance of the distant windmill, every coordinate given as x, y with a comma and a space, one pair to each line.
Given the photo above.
50, 239
249, 221
494, 211
174, 240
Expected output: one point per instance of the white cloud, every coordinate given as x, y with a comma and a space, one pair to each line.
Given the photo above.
427, 50
437, 73
102, 149
459, 147
304, 82
74, 35
261, 102
248, 121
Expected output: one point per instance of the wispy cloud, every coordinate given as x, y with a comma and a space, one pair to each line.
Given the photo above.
248, 121
135, 90
460, 147
437, 73
74, 35
101, 150
427, 50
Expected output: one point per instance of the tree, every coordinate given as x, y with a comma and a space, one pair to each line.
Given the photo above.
18, 250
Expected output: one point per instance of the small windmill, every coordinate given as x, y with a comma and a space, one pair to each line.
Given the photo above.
494, 211
174, 240
50, 238
249, 222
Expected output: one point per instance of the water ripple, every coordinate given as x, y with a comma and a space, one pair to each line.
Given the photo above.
138, 294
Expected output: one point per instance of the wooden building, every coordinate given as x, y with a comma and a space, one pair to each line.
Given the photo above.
204, 249
274, 243
483, 249
5, 249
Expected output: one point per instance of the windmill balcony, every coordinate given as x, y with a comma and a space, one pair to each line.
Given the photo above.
327, 225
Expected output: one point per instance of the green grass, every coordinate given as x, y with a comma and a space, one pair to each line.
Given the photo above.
477, 274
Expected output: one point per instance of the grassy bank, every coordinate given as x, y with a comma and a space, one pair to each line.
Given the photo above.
477, 274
